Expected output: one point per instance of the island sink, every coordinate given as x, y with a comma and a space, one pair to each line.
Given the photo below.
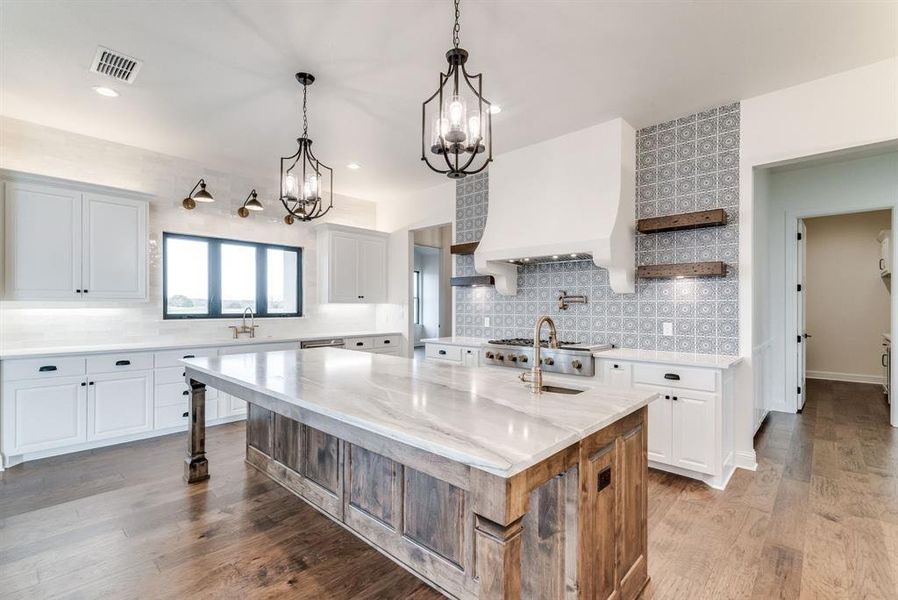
466, 479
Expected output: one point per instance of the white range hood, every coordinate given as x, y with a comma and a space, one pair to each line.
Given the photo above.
571, 195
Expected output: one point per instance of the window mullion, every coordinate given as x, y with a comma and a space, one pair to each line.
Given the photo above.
262, 279
214, 278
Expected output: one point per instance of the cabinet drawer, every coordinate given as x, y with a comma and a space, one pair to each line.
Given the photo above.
386, 341
170, 375
114, 363
443, 352
359, 344
391, 351
676, 377
172, 358
170, 416
34, 368
168, 394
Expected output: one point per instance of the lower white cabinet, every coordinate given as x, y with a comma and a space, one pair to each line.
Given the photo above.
690, 423
119, 404
386, 344
27, 406
450, 354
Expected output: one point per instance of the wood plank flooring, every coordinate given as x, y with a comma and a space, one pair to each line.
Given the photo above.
819, 519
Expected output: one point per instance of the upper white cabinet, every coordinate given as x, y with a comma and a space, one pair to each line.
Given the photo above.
64, 242
352, 264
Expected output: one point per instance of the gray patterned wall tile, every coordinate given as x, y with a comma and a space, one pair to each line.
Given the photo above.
683, 165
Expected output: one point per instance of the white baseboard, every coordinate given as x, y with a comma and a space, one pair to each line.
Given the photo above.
746, 459
850, 377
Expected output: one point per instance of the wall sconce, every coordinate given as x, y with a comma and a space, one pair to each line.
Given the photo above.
251, 203
201, 196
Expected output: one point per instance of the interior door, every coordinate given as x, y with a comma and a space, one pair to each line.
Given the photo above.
802, 336
43, 232
115, 247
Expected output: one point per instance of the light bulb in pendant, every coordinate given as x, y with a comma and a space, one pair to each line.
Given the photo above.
290, 185
456, 112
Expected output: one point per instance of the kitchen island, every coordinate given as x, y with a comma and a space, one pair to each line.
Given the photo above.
460, 475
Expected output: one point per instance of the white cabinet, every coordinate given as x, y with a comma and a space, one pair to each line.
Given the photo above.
119, 404
43, 242
690, 423
352, 264
65, 243
467, 356
114, 241
42, 414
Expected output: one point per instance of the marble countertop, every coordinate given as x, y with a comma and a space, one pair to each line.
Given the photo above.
688, 359
31, 350
456, 340
483, 418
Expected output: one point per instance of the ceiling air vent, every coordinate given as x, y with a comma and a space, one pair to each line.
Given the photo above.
116, 65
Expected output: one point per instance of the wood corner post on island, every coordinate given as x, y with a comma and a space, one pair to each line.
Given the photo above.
196, 467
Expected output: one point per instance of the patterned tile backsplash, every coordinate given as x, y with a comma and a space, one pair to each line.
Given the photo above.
683, 165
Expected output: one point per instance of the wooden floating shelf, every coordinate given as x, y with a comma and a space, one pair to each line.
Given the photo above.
471, 281
466, 248
692, 220
702, 269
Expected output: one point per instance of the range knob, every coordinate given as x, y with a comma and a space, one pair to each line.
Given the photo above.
577, 364
490, 355
523, 358
500, 356
548, 361
513, 358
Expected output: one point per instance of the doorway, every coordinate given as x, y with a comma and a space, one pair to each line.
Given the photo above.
843, 299
431, 295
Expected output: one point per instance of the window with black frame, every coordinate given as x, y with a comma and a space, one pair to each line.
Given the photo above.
205, 277
416, 296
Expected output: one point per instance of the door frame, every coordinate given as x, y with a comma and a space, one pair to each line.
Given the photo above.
793, 217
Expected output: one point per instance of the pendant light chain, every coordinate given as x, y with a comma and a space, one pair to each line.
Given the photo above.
456, 29
305, 116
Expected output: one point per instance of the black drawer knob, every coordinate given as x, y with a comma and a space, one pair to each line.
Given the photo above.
122, 363
672, 376
442, 352
47, 368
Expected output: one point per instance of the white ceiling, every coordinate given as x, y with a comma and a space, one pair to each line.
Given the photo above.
217, 84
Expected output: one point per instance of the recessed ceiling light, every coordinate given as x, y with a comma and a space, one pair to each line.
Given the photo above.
354, 166
495, 109
105, 91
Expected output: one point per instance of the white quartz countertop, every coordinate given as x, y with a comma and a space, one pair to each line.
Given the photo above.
483, 418
26, 351
456, 340
688, 359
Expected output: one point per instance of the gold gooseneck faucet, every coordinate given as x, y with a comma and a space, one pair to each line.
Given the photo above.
535, 379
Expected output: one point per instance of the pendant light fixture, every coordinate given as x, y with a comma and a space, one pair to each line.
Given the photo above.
303, 175
456, 121
251, 203
197, 196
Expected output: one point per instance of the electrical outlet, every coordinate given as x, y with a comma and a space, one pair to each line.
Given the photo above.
667, 328
486, 321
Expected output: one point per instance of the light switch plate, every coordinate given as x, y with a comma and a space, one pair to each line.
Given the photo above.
667, 328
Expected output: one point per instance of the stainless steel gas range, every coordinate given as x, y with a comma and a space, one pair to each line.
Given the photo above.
570, 358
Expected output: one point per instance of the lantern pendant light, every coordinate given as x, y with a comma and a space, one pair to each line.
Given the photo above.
456, 121
303, 175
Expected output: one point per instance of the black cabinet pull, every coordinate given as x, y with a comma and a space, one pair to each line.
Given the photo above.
46, 368
77, 291
617, 366
189, 356
386, 342
186, 415
442, 352
881, 265
90, 383
674, 398
122, 363
85, 291
360, 343
185, 392
83, 384
672, 376
667, 397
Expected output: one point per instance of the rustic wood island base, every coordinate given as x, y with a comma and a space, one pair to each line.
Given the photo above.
570, 525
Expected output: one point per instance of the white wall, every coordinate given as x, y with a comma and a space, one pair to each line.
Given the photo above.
847, 305
846, 110
400, 216
851, 185
36, 149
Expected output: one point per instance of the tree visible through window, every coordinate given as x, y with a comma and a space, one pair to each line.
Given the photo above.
207, 277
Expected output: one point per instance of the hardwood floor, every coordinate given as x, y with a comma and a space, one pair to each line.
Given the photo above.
819, 519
